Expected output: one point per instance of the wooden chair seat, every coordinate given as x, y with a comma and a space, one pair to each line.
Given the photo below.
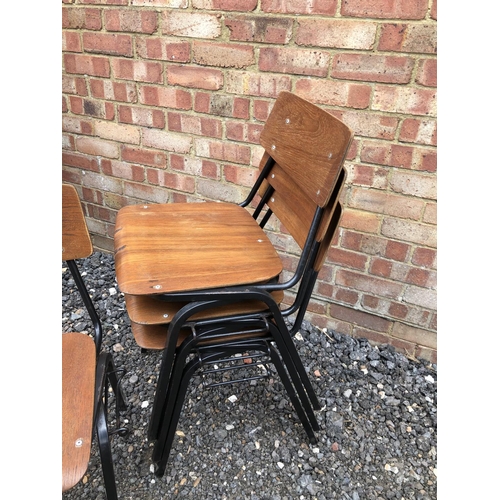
154, 337
148, 310
78, 388
164, 248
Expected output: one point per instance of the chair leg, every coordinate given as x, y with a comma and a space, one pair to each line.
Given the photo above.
292, 395
165, 439
106, 454
295, 358
294, 374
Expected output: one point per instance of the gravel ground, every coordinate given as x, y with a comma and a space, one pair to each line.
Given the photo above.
378, 421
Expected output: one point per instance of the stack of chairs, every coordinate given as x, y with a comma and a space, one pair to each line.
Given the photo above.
204, 281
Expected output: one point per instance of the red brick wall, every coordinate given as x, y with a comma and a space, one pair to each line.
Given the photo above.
164, 101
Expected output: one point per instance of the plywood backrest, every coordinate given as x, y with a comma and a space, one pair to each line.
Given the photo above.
76, 242
309, 147
308, 143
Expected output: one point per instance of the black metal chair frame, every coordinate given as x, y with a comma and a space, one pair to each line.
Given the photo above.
202, 344
305, 269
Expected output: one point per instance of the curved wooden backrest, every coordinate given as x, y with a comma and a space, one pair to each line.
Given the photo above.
309, 147
76, 242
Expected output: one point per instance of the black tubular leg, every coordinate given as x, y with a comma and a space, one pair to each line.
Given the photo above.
115, 381
292, 395
167, 400
82, 288
165, 439
294, 375
106, 454
289, 347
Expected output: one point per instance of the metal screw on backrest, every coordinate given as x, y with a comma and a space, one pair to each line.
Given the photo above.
157, 287
330, 156
79, 443
287, 120
165, 315
273, 147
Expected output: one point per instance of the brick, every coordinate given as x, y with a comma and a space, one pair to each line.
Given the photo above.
215, 190
71, 42
396, 250
365, 283
423, 297
113, 91
97, 147
360, 318
104, 2
434, 10
78, 19
179, 182
294, 61
421, 277
91, 107
365, 175
202, 78
385, 9
419, 131
372, 68
414, 184
165, 97
430, 213
220, 150
143, 156
240, 5
243, 132
138, 71
166, 141
87, 65
413, 232
336, 33
260, 29
380, 202
262, 85
76, 125
225, 55
117, 132
416, 38
361, 221
369, 124
131, 20
334, 93
145, 193
261, 109
191, 24
427, 73
83, 162
194, 166
299, 6
196, 125
68, 142
74, 85
123, 170
346, 258
425, 257
239, 175
381, 267
104, 43
146, 117
406, 100
163, 49
173, 4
